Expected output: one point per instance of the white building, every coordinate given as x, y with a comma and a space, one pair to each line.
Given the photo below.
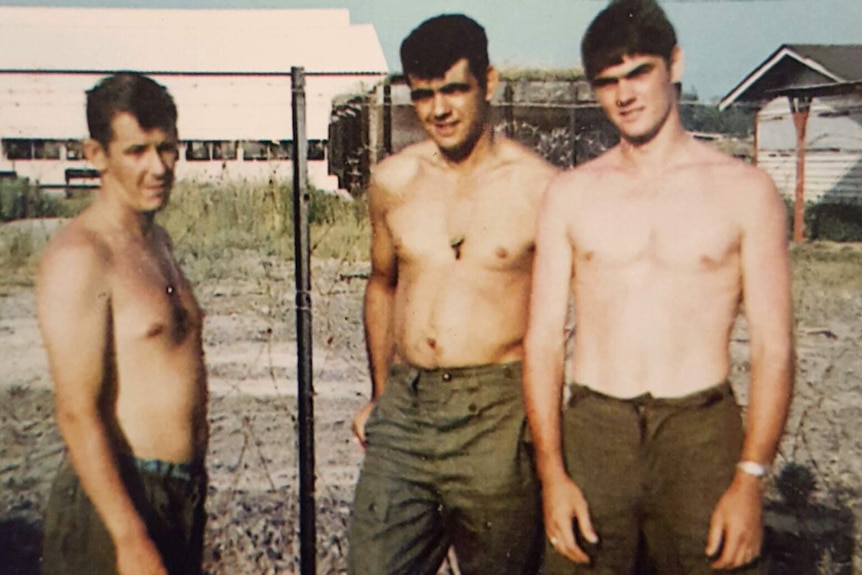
809, 100
228, 71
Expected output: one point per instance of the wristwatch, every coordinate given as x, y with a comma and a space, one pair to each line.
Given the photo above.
753, 468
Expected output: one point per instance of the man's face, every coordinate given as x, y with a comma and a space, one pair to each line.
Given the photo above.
638, 95
138, 166
453, 109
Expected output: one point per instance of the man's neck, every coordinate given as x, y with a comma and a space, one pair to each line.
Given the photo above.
476, 156
658, 152
118, 217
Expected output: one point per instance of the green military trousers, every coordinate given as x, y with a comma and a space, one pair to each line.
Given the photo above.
447, 464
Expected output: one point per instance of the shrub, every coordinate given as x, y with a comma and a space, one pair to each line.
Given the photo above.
19, 200
206, 219
828, 221
834, 222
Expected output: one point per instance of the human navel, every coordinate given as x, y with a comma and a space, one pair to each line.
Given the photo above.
501, 253
432, 343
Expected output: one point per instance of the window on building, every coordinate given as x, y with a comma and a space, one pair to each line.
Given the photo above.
46, 149
197, 151
74, 150
317, 149
224, 150
282, 150
17, 149
254, 150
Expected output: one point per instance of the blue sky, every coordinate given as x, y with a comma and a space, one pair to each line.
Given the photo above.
723, 40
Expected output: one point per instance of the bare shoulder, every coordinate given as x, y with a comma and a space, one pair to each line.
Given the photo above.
76, 256
525, 159
395, 173
745, 184
524, 166
583, 180
525, 173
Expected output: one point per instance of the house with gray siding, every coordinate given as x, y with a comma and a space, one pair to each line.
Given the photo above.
808, 133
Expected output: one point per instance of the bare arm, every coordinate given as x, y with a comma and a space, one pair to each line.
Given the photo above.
769, 312
73, 301
378, 305
736, 526
545, 339
544, 372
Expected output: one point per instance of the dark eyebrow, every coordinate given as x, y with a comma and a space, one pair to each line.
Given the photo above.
455, 87
135, 148
603, 81
642, 69
447, 89
421, 94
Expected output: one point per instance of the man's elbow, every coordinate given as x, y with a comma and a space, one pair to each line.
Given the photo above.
72, 419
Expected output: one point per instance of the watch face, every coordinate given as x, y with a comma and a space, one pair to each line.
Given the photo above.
752, 468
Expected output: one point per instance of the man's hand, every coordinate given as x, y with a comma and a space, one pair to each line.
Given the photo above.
735, 531
359, 422
139, 556
563, 502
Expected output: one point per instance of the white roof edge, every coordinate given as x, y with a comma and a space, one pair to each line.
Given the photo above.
766, 66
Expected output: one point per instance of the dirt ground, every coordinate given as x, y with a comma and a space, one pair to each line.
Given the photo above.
814, 503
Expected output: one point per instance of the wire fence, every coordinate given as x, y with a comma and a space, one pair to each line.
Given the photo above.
235, 249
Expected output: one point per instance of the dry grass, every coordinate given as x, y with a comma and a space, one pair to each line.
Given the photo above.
210, 223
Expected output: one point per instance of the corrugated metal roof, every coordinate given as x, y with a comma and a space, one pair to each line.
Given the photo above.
798, 66
186, 41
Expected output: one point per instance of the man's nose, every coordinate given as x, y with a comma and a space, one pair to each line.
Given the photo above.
158, 161
441, 105
625, 93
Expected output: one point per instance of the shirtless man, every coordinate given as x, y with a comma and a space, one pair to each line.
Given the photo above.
123, 335
660, 241
453, 222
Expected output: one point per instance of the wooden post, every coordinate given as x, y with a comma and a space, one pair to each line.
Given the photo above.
800, 106
302, 264
756, 153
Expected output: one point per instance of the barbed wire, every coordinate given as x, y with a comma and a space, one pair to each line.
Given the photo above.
246, 287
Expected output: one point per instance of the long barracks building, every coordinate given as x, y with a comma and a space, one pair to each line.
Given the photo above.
228, 70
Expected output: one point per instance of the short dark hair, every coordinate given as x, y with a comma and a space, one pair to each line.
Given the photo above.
436, 44
626, 28
133, 93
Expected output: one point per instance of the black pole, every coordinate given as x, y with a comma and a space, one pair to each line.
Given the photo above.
509, 109
302, 263
387, 119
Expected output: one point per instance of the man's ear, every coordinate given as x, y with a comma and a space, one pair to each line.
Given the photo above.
96, 154
491, 81
677, 65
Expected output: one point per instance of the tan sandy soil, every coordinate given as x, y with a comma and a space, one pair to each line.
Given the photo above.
251, 357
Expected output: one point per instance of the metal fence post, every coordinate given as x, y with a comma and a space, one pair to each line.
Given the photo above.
302, 264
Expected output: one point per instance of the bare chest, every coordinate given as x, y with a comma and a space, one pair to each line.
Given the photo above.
492, 230
153, 303
677, 232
